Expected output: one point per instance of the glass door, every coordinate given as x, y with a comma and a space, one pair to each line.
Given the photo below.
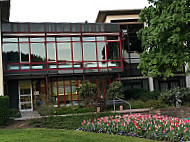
25, 96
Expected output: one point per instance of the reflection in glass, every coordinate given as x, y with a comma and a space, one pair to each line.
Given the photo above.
112, 37
63, 39
68, 92
77, 51
24, 51
100, 38
61, 91
51, 52
10, 52
37, 39
101, 51
64, 51
113, 51
50, 38
24, 87
89, 51
88, 38
37, 52
23, 39
10, 39
75, 38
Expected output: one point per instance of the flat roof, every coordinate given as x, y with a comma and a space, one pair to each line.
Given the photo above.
103, 13
5, 10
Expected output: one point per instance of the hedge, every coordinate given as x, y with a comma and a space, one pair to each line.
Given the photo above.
4, 110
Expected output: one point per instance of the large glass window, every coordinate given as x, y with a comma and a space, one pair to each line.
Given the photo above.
10, 52
37, 52
101, 51
77, 51
24, 52
64, 51
51, 52
89, 51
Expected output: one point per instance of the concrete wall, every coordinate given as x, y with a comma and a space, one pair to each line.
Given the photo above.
1, 64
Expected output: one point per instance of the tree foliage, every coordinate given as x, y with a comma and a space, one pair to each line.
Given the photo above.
115, 90
88, 92
165, 38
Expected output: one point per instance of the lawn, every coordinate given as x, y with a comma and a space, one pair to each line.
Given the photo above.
55, 135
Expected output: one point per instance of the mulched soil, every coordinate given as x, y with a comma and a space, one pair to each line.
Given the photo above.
18, 125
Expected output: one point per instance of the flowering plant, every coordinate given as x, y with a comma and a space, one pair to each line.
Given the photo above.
148, 126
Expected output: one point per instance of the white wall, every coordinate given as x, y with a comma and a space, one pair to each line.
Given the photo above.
1, 64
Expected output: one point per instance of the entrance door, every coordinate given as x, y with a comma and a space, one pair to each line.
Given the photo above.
25, 96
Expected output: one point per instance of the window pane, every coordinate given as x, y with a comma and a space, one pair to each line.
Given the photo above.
22, 39
51, 52
10, 39
100, 38
89, 51
64, 51
101, 51
39, 39
68, 92
38, 52
10, 52
113, 50
88, 38
24, 51
50, 38
77, 51
75, 38
63, 39
112, 37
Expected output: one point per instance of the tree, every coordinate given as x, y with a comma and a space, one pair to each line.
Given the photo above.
115, 90
166, 38
88, 92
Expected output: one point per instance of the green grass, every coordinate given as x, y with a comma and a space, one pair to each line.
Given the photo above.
52, 135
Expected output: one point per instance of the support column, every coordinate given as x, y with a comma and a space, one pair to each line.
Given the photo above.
1, 65
187, 78
151, 83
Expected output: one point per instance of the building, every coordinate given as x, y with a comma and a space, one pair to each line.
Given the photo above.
42, 60
131, 76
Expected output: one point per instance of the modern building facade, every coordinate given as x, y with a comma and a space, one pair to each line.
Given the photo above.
131, 76
51, 60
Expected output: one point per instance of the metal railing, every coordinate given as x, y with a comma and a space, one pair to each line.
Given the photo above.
121, 101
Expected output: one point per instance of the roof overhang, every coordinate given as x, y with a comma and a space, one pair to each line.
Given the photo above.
103, 13
5, 10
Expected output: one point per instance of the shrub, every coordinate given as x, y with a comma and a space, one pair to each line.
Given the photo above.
115, 90
88, 92
66, 122
141, 94
170, 96
14, 113
4, 110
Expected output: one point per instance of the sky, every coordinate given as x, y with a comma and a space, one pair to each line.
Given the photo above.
66, 10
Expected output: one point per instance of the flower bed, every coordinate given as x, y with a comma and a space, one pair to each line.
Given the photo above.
148, 126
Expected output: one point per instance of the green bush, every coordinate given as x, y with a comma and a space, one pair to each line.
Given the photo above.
45, 111
73, 110
115, 90
138, 104
141, 94
88, 92
66, 122
4, 110
14, 113
169, 96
